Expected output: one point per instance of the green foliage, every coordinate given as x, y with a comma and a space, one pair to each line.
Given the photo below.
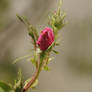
40, 59
57, 44
20, 58
56, 52
23, 19
31, 29
33, 32
57, 20
50, 47
33, 61
4, 87
46, 68
50, 59
18, 83
35, 58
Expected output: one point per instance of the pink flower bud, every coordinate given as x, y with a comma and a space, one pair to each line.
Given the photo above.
46, 38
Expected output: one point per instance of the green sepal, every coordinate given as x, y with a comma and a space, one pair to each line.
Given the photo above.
45, 54
50, 47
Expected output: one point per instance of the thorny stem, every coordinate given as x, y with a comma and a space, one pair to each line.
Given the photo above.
35, 76
37, 72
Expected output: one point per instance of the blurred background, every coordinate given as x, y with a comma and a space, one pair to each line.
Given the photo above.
71, 70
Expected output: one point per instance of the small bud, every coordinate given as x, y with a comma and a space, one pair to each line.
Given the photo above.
46, 38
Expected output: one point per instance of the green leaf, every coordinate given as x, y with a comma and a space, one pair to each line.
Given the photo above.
57, 20
20, 18
23, 19
56, 52
31, 29
46, 68
33, 33
35, 58
20, 58
50, 59
33, 61
4, 87
57, 44
18, 83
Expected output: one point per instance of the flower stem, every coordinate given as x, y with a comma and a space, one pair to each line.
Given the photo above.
35, 76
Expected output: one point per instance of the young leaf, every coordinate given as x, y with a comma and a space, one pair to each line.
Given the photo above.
33, 61
50, 59
20, 58
46, 68
31, 29
56, 52
4, 87
18, 83
57, 43
57, 20
23, 19
33, 33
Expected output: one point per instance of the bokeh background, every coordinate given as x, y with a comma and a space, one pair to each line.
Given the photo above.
71, 70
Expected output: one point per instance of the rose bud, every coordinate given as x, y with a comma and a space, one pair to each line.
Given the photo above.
45, 39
